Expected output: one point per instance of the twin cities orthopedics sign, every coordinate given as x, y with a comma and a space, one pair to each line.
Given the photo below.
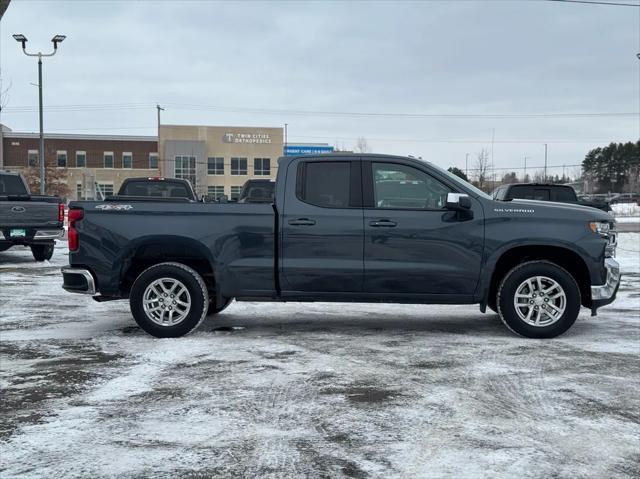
247, 138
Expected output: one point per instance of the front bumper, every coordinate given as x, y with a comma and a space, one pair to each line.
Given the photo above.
604, 294
78, 280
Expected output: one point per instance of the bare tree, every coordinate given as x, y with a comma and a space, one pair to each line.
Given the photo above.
57, 180
482, 167
362, 146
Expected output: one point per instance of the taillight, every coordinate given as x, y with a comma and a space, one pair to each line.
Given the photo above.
61, 213
75, 214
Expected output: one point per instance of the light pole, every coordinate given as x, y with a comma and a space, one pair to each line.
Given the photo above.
20, 38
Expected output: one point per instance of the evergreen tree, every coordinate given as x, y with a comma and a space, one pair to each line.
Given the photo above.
613, 167
458, 172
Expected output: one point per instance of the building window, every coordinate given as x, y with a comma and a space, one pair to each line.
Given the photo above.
32, 158
235, 192
215, 166
262, 166
105, 189
78, 191
108, 159
185, 168
153, 161
61, 159
81, 159
215, 191
238, 166
127, 160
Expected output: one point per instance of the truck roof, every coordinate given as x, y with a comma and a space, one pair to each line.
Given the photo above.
555, 185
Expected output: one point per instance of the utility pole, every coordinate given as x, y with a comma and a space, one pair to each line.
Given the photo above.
545, 162
524, 179
466, 165
285, 139
159, 109
55, 40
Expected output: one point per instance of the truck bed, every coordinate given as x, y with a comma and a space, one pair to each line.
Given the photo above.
238, 240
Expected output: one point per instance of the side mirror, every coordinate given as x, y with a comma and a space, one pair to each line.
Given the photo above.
458, 201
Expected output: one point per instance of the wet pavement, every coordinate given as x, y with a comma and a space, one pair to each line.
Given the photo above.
312, 390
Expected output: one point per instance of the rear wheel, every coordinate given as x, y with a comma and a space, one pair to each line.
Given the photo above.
42, 252
538, 299
169, 300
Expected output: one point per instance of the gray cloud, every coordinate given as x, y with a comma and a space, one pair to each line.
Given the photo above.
425, 57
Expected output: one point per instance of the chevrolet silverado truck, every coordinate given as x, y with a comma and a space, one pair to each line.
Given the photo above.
366, 228
28, 220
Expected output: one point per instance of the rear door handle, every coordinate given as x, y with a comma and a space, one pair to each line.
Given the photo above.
383, 224
302, 222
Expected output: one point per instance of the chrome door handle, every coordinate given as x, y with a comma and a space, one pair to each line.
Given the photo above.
302, 222
383, 224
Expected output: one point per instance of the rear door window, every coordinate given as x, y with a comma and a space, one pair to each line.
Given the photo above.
325, 183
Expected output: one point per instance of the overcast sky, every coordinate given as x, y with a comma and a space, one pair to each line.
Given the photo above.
202, 60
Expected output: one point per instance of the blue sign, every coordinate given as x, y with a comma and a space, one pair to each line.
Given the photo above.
295, 150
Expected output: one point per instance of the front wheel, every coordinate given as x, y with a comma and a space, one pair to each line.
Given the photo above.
169, 300
42, 252
538, 299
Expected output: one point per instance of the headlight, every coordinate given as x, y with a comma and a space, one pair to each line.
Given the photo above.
600, 227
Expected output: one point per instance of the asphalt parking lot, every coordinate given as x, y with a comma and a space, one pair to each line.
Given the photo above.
312, 390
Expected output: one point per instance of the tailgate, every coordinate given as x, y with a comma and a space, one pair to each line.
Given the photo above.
28, 213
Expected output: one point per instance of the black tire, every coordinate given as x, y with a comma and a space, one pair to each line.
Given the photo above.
514, 278
42, 252
190, 279
213, 309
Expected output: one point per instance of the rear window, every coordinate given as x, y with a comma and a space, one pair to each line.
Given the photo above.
523, 192
11, 185
161, 189
325, 184
563, 194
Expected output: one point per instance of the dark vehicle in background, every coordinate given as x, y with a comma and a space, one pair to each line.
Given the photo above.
347, 227
156, 187
28, 220
544, 192
257, 191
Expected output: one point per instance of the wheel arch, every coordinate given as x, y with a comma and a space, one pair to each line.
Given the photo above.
563, 256
146, 252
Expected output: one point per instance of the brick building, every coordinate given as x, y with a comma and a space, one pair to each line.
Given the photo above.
92, 161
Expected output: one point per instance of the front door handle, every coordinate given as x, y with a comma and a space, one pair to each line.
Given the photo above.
302, 222
383, 224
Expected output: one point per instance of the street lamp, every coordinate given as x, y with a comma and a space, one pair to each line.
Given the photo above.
20, 38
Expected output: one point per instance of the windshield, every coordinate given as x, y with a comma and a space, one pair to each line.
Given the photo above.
459, 181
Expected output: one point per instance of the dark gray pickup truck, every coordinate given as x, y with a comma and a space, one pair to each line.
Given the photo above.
28, 220
369, 228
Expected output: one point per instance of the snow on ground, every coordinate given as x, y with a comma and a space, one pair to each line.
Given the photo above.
626, 209
312, 390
